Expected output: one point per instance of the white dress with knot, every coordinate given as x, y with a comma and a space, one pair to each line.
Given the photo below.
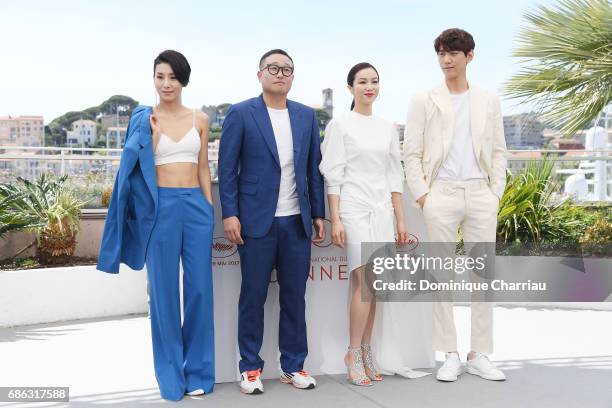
361, 164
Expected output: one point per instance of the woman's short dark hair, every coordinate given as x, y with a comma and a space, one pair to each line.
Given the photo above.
454, 39
177, 62
350, 79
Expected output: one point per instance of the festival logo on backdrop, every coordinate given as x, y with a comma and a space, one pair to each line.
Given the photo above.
223, 248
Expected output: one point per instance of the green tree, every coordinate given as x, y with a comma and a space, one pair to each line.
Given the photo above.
566, 53
55, 132
223, 108
214, 135
322, 116
125, 104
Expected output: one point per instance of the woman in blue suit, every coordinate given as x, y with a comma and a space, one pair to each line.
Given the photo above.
161, 213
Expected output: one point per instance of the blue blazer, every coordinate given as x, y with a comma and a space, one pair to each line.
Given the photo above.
249, 167
133, 206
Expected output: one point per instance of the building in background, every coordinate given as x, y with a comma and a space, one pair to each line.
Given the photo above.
325, 111
213, 159
212, 113
400, 131
520, 160
115, 137
328, 102
22, 131
557, 140
216, 114
523, 131
83, 133
108, 121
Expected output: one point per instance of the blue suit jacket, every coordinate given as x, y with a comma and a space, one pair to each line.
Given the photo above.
249, 167
133, 206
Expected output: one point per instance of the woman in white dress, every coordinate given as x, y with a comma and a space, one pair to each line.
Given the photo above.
363, 172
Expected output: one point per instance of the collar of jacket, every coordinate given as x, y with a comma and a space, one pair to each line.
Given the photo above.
478, 113
144, 125
259, 111
142, 131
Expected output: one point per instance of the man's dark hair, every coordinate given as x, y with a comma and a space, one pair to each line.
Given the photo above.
272, 52
177, 62
454, 39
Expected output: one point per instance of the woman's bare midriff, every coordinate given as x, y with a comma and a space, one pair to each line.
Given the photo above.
180, 175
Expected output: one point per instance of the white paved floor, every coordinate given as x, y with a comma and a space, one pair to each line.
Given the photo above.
553, 358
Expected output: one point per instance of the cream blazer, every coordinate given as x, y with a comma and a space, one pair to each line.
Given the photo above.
429, 130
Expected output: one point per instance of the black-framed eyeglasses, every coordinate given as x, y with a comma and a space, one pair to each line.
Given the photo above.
273, 70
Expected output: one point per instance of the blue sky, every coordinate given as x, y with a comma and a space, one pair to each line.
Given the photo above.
70, 55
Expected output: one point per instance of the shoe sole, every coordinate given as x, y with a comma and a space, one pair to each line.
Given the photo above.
361, 385
450, 379
478, 373
195, 395
256, 391
286, 381
348, 380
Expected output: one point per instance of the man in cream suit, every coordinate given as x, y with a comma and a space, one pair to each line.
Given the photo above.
454, 152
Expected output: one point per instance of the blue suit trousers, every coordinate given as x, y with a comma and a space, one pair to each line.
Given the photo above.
286, 248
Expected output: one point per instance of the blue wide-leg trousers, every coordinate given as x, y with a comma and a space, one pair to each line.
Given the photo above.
183, 354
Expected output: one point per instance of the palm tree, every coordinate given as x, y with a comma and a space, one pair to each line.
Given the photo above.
9, 219
47, 208
567, 56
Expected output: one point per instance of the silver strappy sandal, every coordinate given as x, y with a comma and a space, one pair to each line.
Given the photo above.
357, 368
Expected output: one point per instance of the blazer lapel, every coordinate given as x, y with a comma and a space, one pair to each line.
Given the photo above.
262, 119
441, 97
295, 117
478, 116
145, 154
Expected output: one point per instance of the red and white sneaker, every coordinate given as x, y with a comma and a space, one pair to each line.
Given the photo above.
250, 382
299, 379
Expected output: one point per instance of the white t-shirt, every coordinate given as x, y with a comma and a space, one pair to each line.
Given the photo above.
288, 203
461, 163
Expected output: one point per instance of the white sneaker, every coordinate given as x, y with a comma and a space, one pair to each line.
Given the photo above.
250, 382
481, 366
299, 379
199, 391
451, 369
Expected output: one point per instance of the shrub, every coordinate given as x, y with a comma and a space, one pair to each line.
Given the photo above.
597, 239
48, 208
106, 196
528, 212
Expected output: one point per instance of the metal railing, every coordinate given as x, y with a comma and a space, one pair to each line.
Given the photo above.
91, 170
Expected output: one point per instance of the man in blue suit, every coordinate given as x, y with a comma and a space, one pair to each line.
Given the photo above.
271, 195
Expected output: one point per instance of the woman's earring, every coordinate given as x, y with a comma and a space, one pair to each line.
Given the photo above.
155, 99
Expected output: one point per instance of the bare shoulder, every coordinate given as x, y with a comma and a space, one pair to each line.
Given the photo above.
201, 119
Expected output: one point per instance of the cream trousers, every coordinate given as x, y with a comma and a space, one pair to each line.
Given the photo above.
471, 206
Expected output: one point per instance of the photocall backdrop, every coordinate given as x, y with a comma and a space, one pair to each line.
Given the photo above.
409, 324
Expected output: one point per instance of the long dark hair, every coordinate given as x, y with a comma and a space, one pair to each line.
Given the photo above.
353, 72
